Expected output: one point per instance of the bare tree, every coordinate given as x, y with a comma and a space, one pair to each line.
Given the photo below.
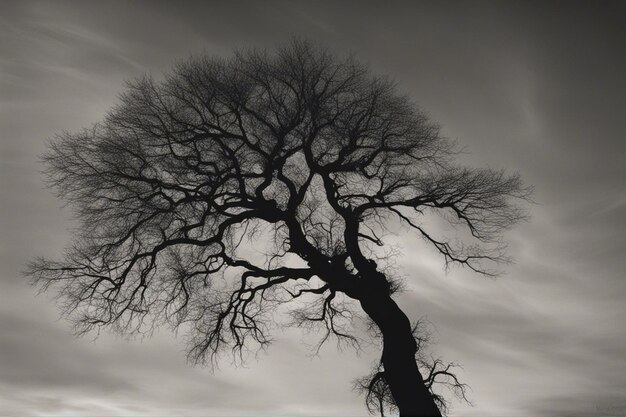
307, 157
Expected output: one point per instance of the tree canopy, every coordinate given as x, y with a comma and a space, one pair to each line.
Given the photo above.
208, 198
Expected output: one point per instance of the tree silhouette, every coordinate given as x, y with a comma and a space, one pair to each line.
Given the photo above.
294, 154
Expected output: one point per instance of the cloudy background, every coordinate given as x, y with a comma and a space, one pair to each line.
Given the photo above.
537, 88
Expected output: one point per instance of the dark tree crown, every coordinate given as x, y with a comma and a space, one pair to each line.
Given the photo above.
304, 155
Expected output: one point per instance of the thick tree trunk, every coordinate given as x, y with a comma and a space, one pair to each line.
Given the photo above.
401, 372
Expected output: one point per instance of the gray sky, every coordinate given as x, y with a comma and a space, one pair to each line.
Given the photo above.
537, 88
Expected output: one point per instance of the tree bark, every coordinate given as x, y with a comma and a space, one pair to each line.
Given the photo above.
399, 346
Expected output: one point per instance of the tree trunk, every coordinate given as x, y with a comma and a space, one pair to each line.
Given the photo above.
401, 372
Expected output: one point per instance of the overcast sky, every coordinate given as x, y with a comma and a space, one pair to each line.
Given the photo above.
537, 88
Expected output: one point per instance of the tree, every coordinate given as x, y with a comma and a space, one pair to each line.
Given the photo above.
306, 156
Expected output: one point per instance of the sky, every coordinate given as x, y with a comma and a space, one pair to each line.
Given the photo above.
534, 87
